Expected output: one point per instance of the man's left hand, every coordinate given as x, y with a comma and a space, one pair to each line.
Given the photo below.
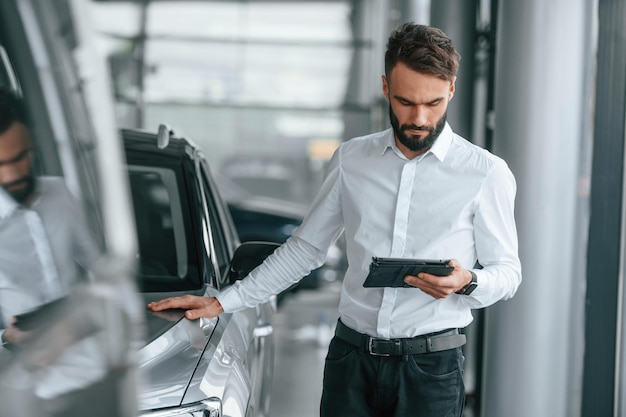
441, 287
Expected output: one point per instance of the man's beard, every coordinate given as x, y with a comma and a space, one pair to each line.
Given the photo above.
416, 143
21, 195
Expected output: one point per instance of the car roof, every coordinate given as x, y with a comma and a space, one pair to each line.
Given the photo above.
146, 142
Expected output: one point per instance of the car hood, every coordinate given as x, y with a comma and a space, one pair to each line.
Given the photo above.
168, 360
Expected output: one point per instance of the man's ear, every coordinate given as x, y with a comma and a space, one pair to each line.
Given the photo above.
452, 88
385, 87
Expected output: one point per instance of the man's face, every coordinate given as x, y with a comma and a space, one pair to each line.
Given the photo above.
417, 108
15, 163
416, 143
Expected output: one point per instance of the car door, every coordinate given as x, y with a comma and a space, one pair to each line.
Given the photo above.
250, 329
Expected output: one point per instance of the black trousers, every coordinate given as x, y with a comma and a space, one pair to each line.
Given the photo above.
357, 384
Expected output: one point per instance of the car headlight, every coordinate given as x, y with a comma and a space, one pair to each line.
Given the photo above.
211, 407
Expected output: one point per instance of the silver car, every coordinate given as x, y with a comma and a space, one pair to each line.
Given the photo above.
188, 245
161, 365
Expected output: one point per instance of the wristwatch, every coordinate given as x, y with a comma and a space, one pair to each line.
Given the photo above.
467, 290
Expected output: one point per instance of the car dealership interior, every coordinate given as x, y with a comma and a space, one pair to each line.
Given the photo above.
195, 129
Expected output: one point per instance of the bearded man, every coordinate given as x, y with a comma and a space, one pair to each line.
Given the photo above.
44, 242
414, 191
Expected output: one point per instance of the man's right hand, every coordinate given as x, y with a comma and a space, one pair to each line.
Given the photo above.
196, 306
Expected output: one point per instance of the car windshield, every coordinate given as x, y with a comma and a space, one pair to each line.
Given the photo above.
159, 221
164, 258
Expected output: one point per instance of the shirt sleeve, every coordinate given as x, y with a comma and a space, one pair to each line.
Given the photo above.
304, 251
495, 235
286, 266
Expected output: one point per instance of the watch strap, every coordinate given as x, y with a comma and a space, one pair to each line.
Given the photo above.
469, 288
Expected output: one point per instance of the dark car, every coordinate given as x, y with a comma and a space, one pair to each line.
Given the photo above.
268, 219
188, 245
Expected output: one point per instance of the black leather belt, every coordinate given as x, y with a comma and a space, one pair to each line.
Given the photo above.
448, 339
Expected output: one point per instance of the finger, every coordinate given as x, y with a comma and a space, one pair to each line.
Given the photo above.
454, 263
194, 314
433, 285
433, 293
421, 280
429, 280
211, 307
411, 280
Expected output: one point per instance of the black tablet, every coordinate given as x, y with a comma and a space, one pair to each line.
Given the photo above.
45, 314
390, 272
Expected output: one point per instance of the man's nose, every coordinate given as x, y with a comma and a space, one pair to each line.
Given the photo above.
419, 116
10, 173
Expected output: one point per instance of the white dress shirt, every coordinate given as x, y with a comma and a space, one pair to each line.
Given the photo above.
40, 247
454, 201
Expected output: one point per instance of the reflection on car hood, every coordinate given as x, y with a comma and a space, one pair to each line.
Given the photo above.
167, 362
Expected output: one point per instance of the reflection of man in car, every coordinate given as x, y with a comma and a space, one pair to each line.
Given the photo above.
43, 234
416, 191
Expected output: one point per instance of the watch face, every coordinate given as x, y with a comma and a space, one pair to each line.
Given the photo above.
471, 287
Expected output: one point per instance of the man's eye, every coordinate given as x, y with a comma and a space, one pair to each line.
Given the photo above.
21, 156
18, 158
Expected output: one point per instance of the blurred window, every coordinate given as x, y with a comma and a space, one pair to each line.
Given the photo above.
84, 352
160, 223
229, 52
218, 228
256, 80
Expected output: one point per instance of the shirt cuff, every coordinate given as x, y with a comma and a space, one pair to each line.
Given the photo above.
230, 300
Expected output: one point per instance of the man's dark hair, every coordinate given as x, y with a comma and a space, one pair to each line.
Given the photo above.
12, 109
424, 49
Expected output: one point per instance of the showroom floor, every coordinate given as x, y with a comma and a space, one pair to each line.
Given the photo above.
303, 326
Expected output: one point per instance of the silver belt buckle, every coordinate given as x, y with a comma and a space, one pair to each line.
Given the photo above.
371, 344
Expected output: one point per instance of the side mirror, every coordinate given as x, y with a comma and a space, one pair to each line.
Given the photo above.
248, 256
163, 136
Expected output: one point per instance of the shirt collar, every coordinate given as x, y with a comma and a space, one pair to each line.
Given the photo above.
7, 204
439, 149
442, 144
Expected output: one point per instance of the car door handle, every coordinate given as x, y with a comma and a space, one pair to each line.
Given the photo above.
263, 330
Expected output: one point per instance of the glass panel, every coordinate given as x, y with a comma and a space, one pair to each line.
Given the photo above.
269, 21
159, 221
118, 19
81, 354
260, 80
217, 230
272, 54
239, 74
